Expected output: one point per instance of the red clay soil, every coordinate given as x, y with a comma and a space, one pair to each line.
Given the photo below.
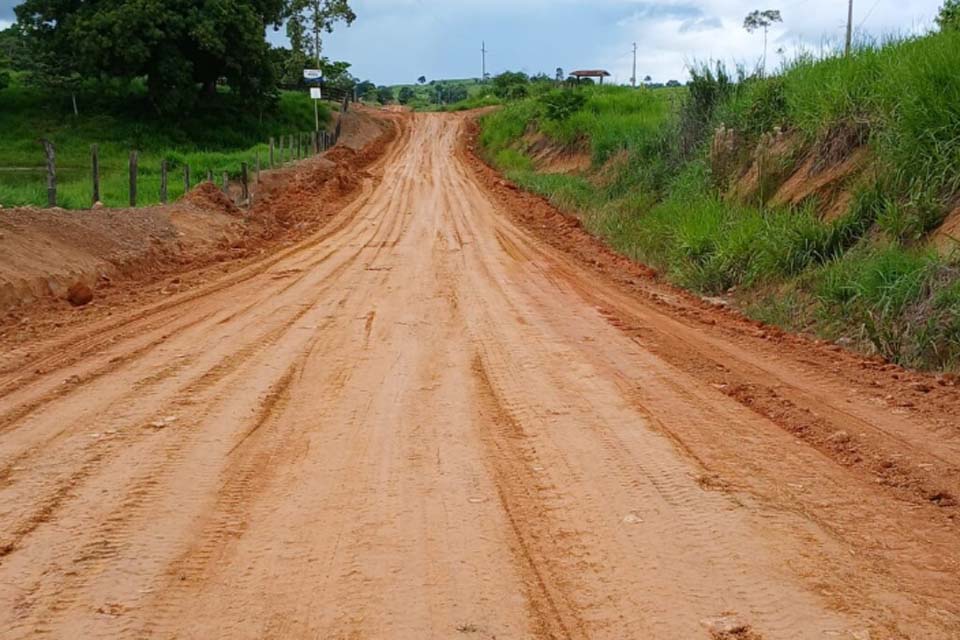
132, 256
450, 412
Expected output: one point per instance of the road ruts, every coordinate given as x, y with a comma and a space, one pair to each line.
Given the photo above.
426, 422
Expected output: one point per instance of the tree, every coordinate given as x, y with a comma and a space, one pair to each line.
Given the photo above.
949, 17
647, 80
673, 83
559, 75
307, 19
456, 93
762, 20
422, 80
337, 77
363, 88
511, 85
406, 95
384, 95
178, 45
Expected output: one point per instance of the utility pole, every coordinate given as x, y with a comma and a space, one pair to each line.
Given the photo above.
633, 78
316, 47
846, 50
483, 64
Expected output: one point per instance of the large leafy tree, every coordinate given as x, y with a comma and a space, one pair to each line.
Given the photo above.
182, 47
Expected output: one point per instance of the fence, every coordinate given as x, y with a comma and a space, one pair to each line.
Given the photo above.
286, 148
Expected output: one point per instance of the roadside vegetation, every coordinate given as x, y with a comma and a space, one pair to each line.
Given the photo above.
215, 139
692, 181
192, 87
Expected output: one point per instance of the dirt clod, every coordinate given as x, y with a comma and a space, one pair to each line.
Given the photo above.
79, 294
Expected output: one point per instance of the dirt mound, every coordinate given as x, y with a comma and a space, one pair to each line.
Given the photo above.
207, 195
44, 252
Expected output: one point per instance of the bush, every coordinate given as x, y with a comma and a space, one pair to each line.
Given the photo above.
560, 104
511, 85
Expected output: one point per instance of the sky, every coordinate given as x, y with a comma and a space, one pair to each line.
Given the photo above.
395, 41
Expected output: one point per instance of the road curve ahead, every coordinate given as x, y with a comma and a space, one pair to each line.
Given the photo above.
427, 422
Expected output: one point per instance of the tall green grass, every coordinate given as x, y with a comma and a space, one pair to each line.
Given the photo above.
866, 277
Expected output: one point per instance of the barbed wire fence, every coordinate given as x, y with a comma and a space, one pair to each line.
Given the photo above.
281, 150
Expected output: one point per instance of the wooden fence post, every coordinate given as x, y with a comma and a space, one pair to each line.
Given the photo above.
133, 178
163, 182
244, 187
186, 179
271, 152
95, 162
258, 166
51, 154
290, 142
226, 183
209, 175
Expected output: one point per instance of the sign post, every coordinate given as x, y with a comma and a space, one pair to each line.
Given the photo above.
315, 75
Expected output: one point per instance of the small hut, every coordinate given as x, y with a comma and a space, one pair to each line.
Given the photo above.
590, 73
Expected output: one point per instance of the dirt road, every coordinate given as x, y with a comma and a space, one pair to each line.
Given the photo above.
427, 421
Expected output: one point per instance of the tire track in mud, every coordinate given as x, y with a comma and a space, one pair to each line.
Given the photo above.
188, 392
144, 489
536, 545
427, 423
81, 346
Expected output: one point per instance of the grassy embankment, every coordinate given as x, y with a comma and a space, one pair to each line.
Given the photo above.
218, 138
869, 277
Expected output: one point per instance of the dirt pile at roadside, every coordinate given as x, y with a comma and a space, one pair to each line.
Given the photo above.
208, 196
44, 252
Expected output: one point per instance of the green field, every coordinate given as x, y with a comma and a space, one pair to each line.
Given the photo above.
217, 138
868, 277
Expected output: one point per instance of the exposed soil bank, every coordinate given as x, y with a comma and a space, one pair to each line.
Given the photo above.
128, 256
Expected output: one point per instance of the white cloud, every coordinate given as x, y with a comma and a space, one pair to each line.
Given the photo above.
398, 40
667, 45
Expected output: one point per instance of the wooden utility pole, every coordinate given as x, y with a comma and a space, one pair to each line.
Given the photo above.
133, 178
95, 162
163, 182
846, 50
50, 152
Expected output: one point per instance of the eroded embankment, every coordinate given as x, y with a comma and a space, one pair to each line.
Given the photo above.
836, 434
